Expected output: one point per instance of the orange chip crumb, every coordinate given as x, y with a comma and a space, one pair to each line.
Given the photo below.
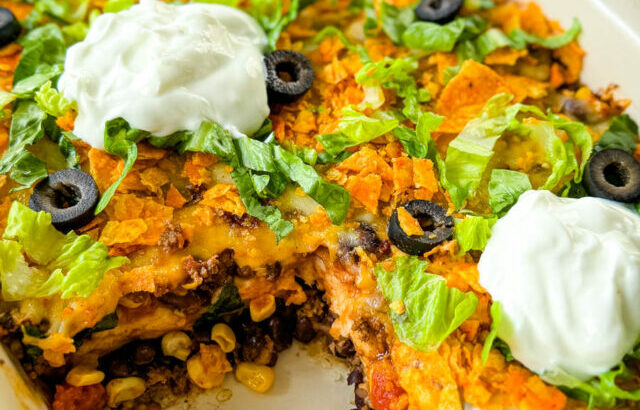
224, 197
366, 190
408, 223
174, 198
402, 173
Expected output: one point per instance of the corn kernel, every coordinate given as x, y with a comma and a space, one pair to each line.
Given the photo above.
84, 376
262, 307
176, 344
121, 390
397, 307
224, 337
257, 378
200, 376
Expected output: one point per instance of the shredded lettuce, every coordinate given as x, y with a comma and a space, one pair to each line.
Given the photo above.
473, 232
579, 137
430, 311
622, 134
70, 265
418, 143
62, 11
469, 153
505, 187
121, 140
51, 101
496, 319
273, 18
432, 37
356, 128
396, 74
115, 6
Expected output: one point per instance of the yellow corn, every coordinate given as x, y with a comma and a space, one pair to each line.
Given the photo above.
121, 390
224, 337
257, 378
262, 307
176, 344
200, 376
84, 376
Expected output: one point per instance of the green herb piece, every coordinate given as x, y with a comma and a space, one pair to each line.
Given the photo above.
228, 301
622, 134
432, 311
71, 265
473, 232
505, 187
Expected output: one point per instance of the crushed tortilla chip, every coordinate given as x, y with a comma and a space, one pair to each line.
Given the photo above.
408, 223
505, 56
224, 197
174, 198
366, 189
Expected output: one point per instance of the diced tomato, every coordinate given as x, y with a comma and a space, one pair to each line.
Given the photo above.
79, 398
384, 390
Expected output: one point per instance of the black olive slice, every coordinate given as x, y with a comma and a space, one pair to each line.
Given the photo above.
613, 174
435, 222
438, 11
70, 196
10, 27
289, 76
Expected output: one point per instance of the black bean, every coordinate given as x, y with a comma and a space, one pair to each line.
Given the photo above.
343, 348
251, 348
281, 332
355, 377
118, 367
144, 353
304, 330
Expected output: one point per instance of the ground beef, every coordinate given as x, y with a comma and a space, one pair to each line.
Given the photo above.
196, 192
172, 238
245, 221
209, 270
79, 398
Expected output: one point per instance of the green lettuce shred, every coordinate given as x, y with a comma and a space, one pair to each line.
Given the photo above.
496, 319
505, 187
418, 143
473, 232
432, 311
51, 101
70, 265
622, 134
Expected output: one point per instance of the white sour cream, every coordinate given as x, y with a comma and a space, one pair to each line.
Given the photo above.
166, 68
567, 273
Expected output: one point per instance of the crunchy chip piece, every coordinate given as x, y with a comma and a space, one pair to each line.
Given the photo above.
366, 189
533, 21
174, 198
402, 174
67, 121
4, 139
305, 122
20, 10
524, 87
571, 57
506, 15
224, 197
505, 56
466, 94
123, 232
367, 161
443, 61
408, 223
104, 168
146, 152
424, 177
154, 178
196, 168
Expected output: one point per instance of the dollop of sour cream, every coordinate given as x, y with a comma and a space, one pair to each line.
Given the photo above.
567, 275
166, 68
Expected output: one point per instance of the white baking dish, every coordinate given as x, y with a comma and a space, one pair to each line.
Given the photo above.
611, 37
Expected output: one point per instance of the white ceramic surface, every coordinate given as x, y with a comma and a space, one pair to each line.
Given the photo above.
611, 37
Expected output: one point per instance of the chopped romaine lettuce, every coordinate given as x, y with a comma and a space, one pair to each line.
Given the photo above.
432, 37
496, 318
505, 187
622, 134
356, 129
51, 101
69, 264
473, 232
429, 311
418, 143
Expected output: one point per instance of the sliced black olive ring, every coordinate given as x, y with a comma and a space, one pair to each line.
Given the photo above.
438, 11
70, 196
10, 27
613, 174
289, 76
435, 222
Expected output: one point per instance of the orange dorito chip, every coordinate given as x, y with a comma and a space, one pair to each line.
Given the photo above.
505, 56
424, 177
367, 161
153, 179
524, 87
466, 94
408, 223
366, 189
224, 197
402, 174
196, 168
174, 198
126, 232
104, 168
